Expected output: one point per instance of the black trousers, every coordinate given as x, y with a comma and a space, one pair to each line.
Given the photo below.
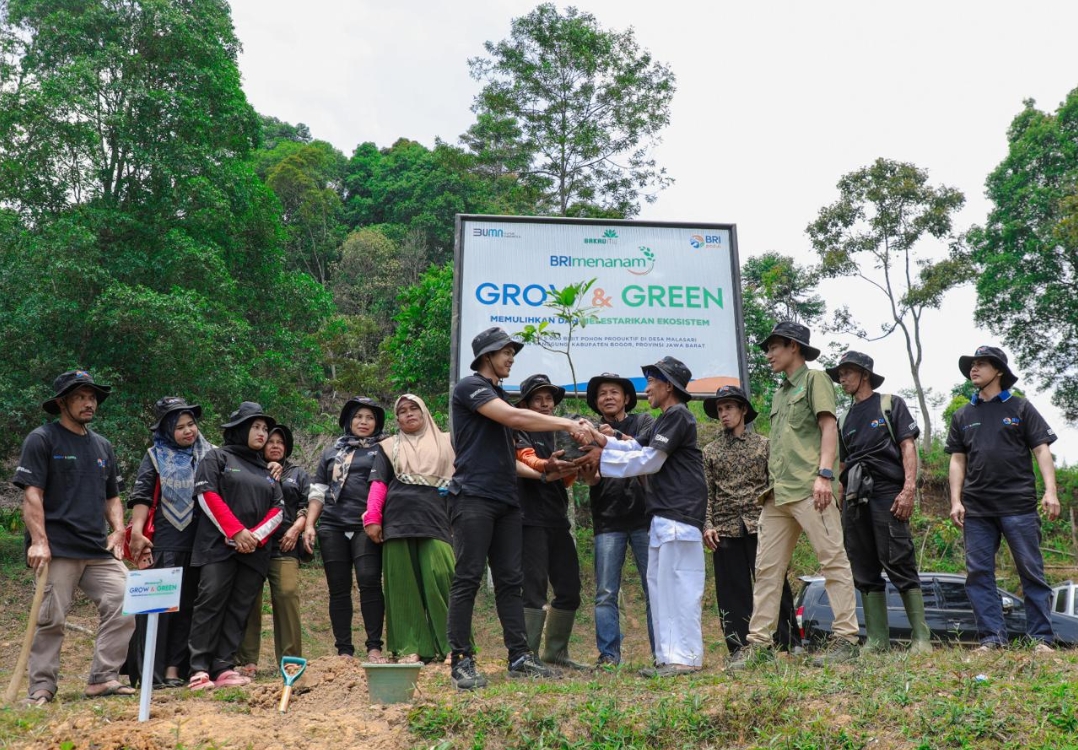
173, 628
343, 558
486, 530
735, 568
550, 556
877, 541
226, 592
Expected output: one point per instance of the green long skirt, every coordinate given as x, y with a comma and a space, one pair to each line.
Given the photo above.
418, 574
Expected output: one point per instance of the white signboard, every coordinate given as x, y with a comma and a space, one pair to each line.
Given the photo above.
660, 289
152, 591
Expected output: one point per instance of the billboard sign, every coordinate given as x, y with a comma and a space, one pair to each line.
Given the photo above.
660, 289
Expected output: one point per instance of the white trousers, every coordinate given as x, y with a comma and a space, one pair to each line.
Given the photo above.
676, 591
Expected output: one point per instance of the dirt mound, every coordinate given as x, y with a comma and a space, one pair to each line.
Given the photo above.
332, 709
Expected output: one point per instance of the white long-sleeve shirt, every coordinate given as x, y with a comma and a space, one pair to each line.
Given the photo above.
627, 458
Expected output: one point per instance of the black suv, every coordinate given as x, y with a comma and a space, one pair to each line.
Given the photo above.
947, 611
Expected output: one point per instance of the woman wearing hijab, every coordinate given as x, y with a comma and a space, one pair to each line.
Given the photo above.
338, 499
285, 550
241, 508
407, 513
166, 482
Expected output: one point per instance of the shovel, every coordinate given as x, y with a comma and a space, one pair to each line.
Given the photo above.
292, 668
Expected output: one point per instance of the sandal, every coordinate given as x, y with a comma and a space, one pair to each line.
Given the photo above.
410, 659
111, 688
375, 656
200, 681
38, 698
231, 678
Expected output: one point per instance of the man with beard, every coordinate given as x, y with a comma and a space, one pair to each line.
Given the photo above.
68, 477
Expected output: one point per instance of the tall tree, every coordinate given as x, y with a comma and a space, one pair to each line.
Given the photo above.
872, 232
137, 239
575, 110
774, 287
1027, 251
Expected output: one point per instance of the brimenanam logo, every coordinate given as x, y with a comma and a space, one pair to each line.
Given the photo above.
495, 234
638, 265
705, 241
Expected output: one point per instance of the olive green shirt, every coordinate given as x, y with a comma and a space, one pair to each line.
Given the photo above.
795, 433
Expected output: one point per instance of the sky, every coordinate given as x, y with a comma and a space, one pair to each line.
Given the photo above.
775, 102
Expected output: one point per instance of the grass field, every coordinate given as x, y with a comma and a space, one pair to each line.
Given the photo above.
951, 699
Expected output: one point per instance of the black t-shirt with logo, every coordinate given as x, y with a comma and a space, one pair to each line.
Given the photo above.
412, 511
249, 491
346, 514
866, 440
295, 486
544, 504
77, 474
486, 462
997, 436
678, 489
619, 504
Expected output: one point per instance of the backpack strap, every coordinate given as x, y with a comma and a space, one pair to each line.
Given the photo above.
885, 407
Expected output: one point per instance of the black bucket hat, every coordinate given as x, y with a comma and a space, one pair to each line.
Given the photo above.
69, 381
538, 382
490, 341
857, 359
711, 403
788, 329
349, 410
674, 372
171, 404
994, 355
611, 377
249, 410
286, 435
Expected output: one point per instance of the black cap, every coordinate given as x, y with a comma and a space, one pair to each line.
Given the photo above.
69, 381
675, 373
995, 355
169, 404
249, 410
711, 403
611, 377
857, 359
788, 329
286, 435
349, 410
490, 341
538, 382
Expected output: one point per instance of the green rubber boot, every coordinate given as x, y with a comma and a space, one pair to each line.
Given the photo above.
559, 628
533, 624
921, 639
879, 633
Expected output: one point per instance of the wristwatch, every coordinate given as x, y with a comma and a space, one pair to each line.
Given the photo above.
826, 474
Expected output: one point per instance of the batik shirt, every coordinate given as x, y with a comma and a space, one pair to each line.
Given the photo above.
736, 472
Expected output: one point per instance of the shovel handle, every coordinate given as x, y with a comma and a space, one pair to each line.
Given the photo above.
285, 697
28, 637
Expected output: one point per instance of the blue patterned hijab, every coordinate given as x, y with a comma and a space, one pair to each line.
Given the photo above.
176, 470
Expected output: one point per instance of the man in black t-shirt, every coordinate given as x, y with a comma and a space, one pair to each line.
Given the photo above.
549, 548
484, 509
994, 495
878, 454
619, 520
68, 477
668, 453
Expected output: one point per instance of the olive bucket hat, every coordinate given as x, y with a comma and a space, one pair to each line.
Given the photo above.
996, 356
788, 329
857, 359
68, 381
674, 372
490, 341
535, 383
711, 403
611, 377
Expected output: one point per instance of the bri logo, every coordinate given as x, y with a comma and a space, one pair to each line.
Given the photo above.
705, 241
102, 463
1012, 421
877, 423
